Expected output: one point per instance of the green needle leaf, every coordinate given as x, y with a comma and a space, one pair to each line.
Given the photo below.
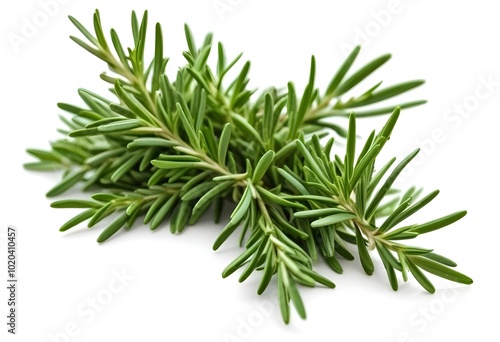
263, 245
198, 191
247, 129
165, 164
441, 259
420, 277
387, 256
44, 155
224, 143
363, 165
114, 227
119, 126
67, 182
351, 146
269, 196
236, 217
83, 216
318, 212
332, 219
83, 30
342, 71
163, 211
386, 131
153, 210
364, 256
238, 262
134, 105
125, 167
150, 142
438, 223
212, 194
296, 299
267, 274
388, 184
43, 166
262, 166
389, 222
413, 209
387, 93
158, 60
75, 204
96, 52
318, 277
361, 74
283, 296
440, 270
98, 31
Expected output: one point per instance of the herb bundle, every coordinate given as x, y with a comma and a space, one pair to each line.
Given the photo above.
178, 147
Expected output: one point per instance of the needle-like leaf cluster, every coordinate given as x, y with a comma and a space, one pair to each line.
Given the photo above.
168, 149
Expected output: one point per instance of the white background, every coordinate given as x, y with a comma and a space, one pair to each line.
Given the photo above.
176, 292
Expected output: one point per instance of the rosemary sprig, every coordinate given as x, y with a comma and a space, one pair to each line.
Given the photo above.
181, 146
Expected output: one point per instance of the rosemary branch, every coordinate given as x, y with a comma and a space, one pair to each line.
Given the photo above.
177, 147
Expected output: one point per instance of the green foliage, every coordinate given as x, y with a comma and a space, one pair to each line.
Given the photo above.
172, 148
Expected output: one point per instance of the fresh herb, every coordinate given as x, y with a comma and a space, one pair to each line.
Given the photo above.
177, 147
